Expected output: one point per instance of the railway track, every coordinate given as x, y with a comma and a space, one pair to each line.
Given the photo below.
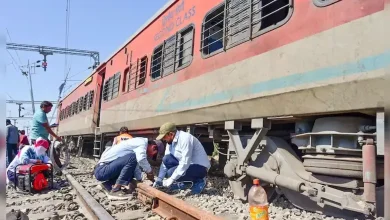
77, 195
90, 202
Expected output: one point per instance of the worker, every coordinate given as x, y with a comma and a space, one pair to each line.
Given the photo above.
118, 165
30, 154
12, 140
123, 135
185, 160
41, 128
23, 140
40, 124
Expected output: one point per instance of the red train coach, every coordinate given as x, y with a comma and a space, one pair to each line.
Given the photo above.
226, 70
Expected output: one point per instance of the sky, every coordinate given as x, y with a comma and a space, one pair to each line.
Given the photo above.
101, 26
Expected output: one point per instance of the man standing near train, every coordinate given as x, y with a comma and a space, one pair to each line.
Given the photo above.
185, 160
40, 125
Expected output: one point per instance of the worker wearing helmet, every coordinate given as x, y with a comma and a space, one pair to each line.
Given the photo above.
29, 154
123, 135
185, 160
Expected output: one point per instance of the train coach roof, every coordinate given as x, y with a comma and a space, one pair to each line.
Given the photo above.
145, 25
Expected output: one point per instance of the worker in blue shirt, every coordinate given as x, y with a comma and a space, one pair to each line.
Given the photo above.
185, 160
40, 125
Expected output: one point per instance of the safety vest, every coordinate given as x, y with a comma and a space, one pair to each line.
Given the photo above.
122, 137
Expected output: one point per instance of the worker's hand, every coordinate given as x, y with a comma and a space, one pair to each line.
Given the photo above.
167, 182
157, 184
150, 176
38, 162
59, 139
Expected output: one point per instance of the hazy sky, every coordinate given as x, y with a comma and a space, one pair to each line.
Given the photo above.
101, 26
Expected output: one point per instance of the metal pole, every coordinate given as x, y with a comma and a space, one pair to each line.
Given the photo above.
31, 88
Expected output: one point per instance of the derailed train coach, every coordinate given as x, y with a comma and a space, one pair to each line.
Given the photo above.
289, 91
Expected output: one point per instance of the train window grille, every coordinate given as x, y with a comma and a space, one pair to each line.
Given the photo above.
115, 85
155, 68
184, 48
132, 76
90, 99
105, 90
212, 35
77, 106
142, 69
81, 102
85, 102
168, 65
111, 87
242, 20
74, 108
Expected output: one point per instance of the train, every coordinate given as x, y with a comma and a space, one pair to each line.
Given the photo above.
287, 91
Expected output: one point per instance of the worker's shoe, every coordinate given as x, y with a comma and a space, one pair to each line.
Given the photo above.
180, 185
106, 186
118, 193
198, 186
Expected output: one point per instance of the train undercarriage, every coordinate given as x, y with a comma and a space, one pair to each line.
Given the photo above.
332, 164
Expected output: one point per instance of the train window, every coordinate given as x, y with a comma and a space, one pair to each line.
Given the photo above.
116, 83
132, 77
72, 109
184, 48
85, 102
142, 68
155, 68
269, 14
90, 100
213, 31
169, 55
81, 103
111, 87
105, 90
324, 3
237, 21
125, 78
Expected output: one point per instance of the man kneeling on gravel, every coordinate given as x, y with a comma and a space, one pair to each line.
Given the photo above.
120, 163
29, 154
185, 161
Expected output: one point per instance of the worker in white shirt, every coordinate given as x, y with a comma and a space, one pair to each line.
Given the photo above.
120, 163
185, 160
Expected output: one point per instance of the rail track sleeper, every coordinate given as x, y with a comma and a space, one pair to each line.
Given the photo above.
92, 206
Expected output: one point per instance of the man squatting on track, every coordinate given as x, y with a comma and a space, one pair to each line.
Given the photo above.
29, 154
185, 160
120, 163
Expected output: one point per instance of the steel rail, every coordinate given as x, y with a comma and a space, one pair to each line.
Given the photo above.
93, 207
170, 207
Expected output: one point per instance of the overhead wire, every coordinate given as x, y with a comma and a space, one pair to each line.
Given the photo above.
10, 39
66, 70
